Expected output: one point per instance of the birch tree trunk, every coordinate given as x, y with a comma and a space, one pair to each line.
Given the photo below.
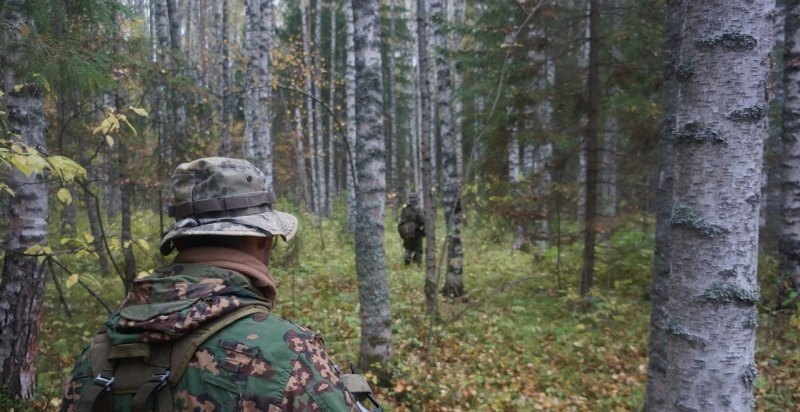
226, 146
258, 87
23, 280
319, 145
718, 153
451, 181
790, 189
426, 162
656, 392
373, 285
300, 156
350, 103
332, 104
316, 202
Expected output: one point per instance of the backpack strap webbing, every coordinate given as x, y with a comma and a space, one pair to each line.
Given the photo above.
147, 369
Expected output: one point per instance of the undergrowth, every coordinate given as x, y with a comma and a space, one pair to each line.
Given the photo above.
521, 339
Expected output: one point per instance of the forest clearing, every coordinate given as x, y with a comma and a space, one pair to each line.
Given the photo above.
435, 205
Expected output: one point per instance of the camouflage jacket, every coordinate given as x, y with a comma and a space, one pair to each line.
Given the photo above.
258, 363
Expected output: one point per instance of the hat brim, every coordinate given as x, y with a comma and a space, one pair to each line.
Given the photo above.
272, 223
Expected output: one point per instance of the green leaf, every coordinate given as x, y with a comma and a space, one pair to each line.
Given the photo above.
72, 280
64, 196
21, 163
66, 168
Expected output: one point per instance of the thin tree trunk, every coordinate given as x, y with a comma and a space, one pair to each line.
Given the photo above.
656, 393
789, 243
718, 144
350, 102
300, 157
319, 144
226, 146
258, 87
332, 104
373, 286
23, 280
315, 204
590, 214
427, 167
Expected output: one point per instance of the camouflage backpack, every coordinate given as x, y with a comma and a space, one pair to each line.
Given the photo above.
147, 370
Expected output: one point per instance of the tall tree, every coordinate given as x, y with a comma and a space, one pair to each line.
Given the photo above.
718, 154
225, 81
22, 285
426, 161
373, 285
258, 87
350, 103
789, 242
451, 181
656, 393
590, 149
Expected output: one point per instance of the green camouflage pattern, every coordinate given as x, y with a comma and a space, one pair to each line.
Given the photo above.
412, 215
258, 363
218, 177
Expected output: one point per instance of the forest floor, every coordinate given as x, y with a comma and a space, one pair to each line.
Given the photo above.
521, 339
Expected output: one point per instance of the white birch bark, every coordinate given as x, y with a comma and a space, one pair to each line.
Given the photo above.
373, 286
789, 241
451, 181
350, 102
258, 87
319, 144
718, 153
315, 204
23, 280
332, 104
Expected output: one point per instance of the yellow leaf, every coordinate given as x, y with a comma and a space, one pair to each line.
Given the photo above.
72, 280
17, 148
64, 196
139, 111
89, 238
143, 244
24, 30
33, 250
109, 141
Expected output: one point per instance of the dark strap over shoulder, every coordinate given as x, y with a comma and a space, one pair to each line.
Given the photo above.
144, 369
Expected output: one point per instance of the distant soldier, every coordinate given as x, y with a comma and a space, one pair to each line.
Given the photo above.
412, 230
198, 333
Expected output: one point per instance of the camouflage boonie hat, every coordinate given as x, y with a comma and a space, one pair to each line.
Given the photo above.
223, 196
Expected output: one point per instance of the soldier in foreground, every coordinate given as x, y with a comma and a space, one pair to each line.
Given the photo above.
198, 334
412, 230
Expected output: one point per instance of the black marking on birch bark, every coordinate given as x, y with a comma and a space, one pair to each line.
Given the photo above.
753, 199
694, 132
727, 273
750, 321
724, 400
727, 293
733, 41
684, 71
684, 217
749, 375
679, 403
748, 114
677, 330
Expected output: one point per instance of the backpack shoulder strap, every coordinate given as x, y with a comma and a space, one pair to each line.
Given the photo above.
184, 348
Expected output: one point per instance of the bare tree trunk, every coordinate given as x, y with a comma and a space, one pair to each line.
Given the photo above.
316, 200
225, 82
656, 393
718, 144
427, 172
258, 87
23, 280
590, 216
300, 157
373, 285
789, 243
350, 102
319, 144
332, 104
